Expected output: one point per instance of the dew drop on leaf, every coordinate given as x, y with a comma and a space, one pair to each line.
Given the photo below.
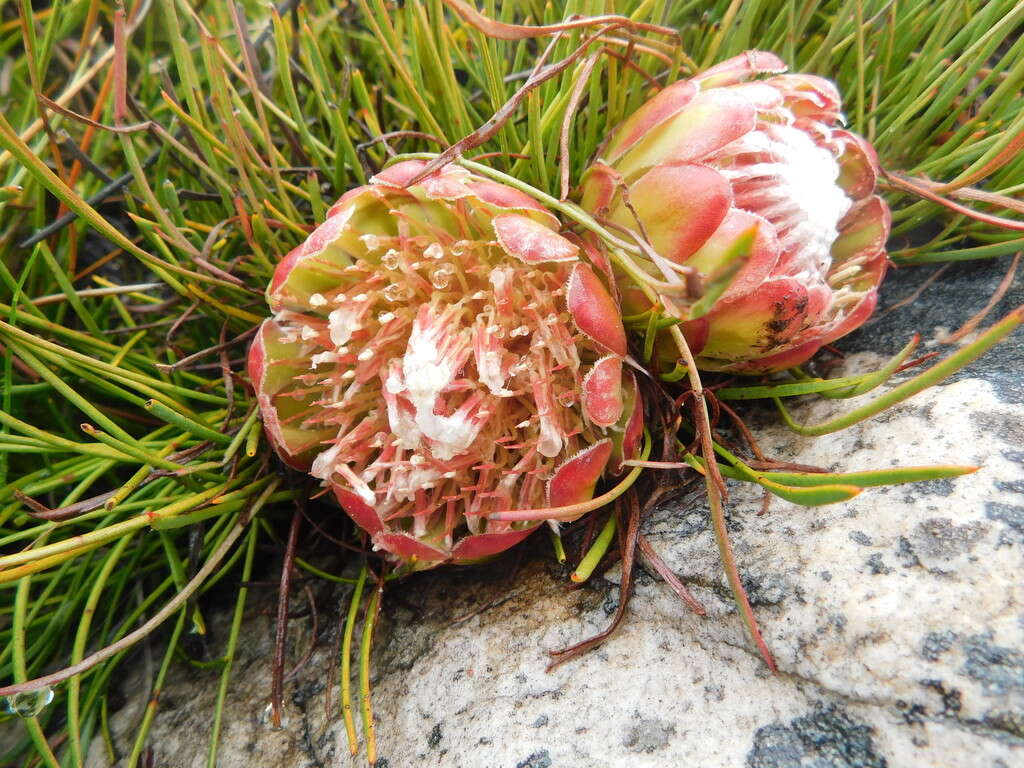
28, 703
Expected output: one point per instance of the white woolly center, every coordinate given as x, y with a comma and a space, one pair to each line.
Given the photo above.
427, 370
809, 174
800, 195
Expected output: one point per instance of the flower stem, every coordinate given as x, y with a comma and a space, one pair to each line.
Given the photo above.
346, 662
596, 552
369, 732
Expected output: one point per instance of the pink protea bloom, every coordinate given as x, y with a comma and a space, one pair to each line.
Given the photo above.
439, 353
725, 155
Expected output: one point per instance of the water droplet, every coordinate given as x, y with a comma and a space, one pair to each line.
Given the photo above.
395, 292
434, 251
371, 241
442, 276
29, 703
522, 330
266, 719
390, 259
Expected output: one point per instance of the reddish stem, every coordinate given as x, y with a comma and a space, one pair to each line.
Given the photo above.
280, 635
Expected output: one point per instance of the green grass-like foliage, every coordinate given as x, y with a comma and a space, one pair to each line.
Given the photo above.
155, 164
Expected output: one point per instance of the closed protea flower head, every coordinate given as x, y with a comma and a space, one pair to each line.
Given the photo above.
439, 353
735, 161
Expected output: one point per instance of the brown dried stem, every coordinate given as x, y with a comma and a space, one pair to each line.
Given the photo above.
625, 585
281, 629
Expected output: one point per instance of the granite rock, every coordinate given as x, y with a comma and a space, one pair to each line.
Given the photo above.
896, 619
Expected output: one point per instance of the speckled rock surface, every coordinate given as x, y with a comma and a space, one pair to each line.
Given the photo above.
897, 619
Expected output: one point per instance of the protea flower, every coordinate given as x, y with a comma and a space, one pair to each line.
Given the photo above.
438, 354
726, 155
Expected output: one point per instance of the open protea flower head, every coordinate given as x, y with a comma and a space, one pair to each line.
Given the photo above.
439, 353
726, 155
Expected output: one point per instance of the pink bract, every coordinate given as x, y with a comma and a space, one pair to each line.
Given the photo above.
439, 354
729, 154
